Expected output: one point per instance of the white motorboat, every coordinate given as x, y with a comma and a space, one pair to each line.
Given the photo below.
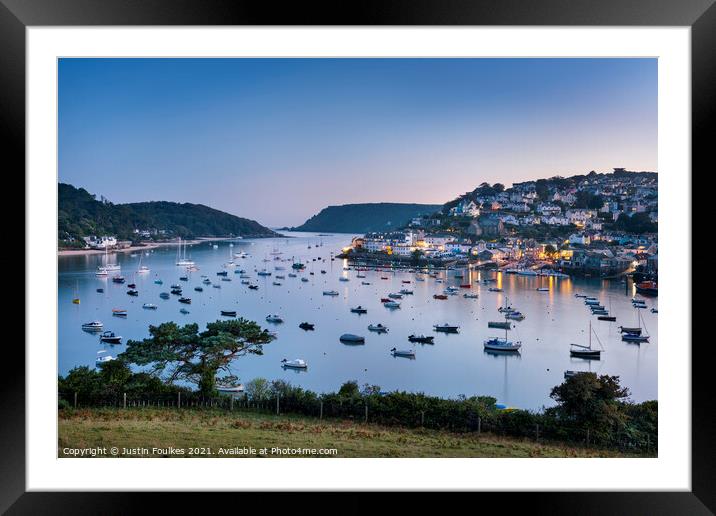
391, 304
103, 358
274, 319
330, 293
378, 328
499, 344
297, 363
407, 353
149, 306
230, 388
93, 326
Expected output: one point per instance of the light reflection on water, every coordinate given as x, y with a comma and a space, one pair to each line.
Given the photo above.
455, 364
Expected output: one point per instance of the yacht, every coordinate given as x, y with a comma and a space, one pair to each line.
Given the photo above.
500, 344
93, 326
110, 337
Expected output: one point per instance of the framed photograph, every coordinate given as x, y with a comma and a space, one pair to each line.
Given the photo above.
389, 251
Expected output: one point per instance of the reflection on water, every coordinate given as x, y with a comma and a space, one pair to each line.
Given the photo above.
454, 364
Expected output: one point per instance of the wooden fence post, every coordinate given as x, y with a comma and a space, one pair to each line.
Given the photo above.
587, 436
479, 425
537, 432
75, 399
422, 418
277, 407
321, 414
178, 399
124, 400
366, 413
231, 403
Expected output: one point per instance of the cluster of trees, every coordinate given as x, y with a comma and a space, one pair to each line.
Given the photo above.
635, 223
589, 407
80, 214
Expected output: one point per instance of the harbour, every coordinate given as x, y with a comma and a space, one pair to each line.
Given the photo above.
450, 364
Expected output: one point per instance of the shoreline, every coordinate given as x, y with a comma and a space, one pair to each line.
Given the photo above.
147, 246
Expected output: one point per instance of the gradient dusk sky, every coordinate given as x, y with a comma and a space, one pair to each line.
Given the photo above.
277, 140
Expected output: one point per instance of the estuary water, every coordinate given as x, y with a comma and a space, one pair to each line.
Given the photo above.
455, 364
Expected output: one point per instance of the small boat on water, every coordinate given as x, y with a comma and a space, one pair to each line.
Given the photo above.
183, 278
132, 292
158, 282
506, 325
391, 304
647, 288
446, 328
543, 289
274, 319
101, 290
378, 328
297, 363
102, 358
423, 339
118, 279
365, 283
264, 273
93, 326
205, 281
131, 285
406, 292
505, 309
306, 326
581, 351
351, 338
494, 289
305, 280
119, 312
634, 337
500, 344
110, 338
216, 285
359, 310
469, 296
395, 296
149, 306
407, 353
184, 311
610, 318
229, 313
342, 278
254, 287
515, 316
185, 300
164, 295
654, 311
330, 293
439, 296
626, 329
276, 283
198, 289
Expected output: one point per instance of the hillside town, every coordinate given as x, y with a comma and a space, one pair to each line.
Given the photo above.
594, 225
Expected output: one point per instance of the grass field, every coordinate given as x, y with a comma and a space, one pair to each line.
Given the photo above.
145, 432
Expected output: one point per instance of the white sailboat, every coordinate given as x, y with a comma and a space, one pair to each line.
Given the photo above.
182, 260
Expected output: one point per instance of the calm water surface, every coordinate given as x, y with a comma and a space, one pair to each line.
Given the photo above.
455, 364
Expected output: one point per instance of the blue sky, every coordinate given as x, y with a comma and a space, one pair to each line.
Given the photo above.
276, 140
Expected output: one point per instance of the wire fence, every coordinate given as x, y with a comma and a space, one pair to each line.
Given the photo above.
455, 417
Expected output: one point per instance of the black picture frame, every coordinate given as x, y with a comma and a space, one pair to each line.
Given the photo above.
700, 15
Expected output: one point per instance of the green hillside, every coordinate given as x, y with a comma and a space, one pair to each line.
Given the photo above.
364, 218
80, 214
